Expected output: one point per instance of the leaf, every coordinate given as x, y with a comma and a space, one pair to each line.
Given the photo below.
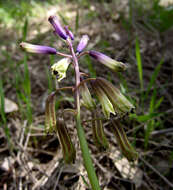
153, 77
144, 118
139, 63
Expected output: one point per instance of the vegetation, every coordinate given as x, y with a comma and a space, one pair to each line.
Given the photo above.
136, 33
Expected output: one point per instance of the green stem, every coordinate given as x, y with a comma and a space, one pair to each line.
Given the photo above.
80, 131
86, 155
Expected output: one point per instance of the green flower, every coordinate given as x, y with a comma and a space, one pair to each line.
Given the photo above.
106, 104
88, 102
120, 103
59, 69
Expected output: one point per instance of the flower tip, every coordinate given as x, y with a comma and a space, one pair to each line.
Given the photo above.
57, 26
83, 43
22, 44
50, 19
127, 66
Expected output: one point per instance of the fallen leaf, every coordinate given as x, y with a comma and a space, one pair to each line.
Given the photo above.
127, 170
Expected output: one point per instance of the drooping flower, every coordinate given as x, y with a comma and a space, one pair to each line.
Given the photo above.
68, 149
59, 30
88, 102
83, 43
37, 48
59, 69
126, 148
107, 61
120, 103
98, 132
106, 104
50, 116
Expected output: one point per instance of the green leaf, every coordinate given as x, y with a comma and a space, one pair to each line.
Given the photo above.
153, 77
144, 118
139, 63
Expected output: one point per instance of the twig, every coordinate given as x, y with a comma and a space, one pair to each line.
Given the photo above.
163, 131
58, 178
157, 172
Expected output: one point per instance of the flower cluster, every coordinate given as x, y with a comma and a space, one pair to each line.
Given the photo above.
110, 98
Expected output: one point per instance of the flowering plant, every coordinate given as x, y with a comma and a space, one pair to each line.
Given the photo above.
113, 102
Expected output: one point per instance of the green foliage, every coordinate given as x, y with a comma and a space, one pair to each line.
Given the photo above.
153, 78
77, 21
2, 112
161, 17
156, 16
14, 13
88, 61
23, 90
150, 118
151, 14
151, 125
11, 11
2, 108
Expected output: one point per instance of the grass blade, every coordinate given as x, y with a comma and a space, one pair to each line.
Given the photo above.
2, 103
153, 77
139, 64
24, 30
77, 21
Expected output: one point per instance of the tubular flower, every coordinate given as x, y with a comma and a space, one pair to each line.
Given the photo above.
126, 148
88, 102
37, 48
107, 106
50, 116
98, 132
83, 43
69, 153
107, 61
69, 33
57, 26
59, 69
120, 103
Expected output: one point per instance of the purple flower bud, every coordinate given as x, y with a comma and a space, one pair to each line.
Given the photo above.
37, 48
82, 44
69, 33
107, 61
57, 26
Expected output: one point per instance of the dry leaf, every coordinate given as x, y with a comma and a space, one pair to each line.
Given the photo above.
126, 169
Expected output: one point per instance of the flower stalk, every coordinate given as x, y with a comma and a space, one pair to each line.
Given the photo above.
80, 131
